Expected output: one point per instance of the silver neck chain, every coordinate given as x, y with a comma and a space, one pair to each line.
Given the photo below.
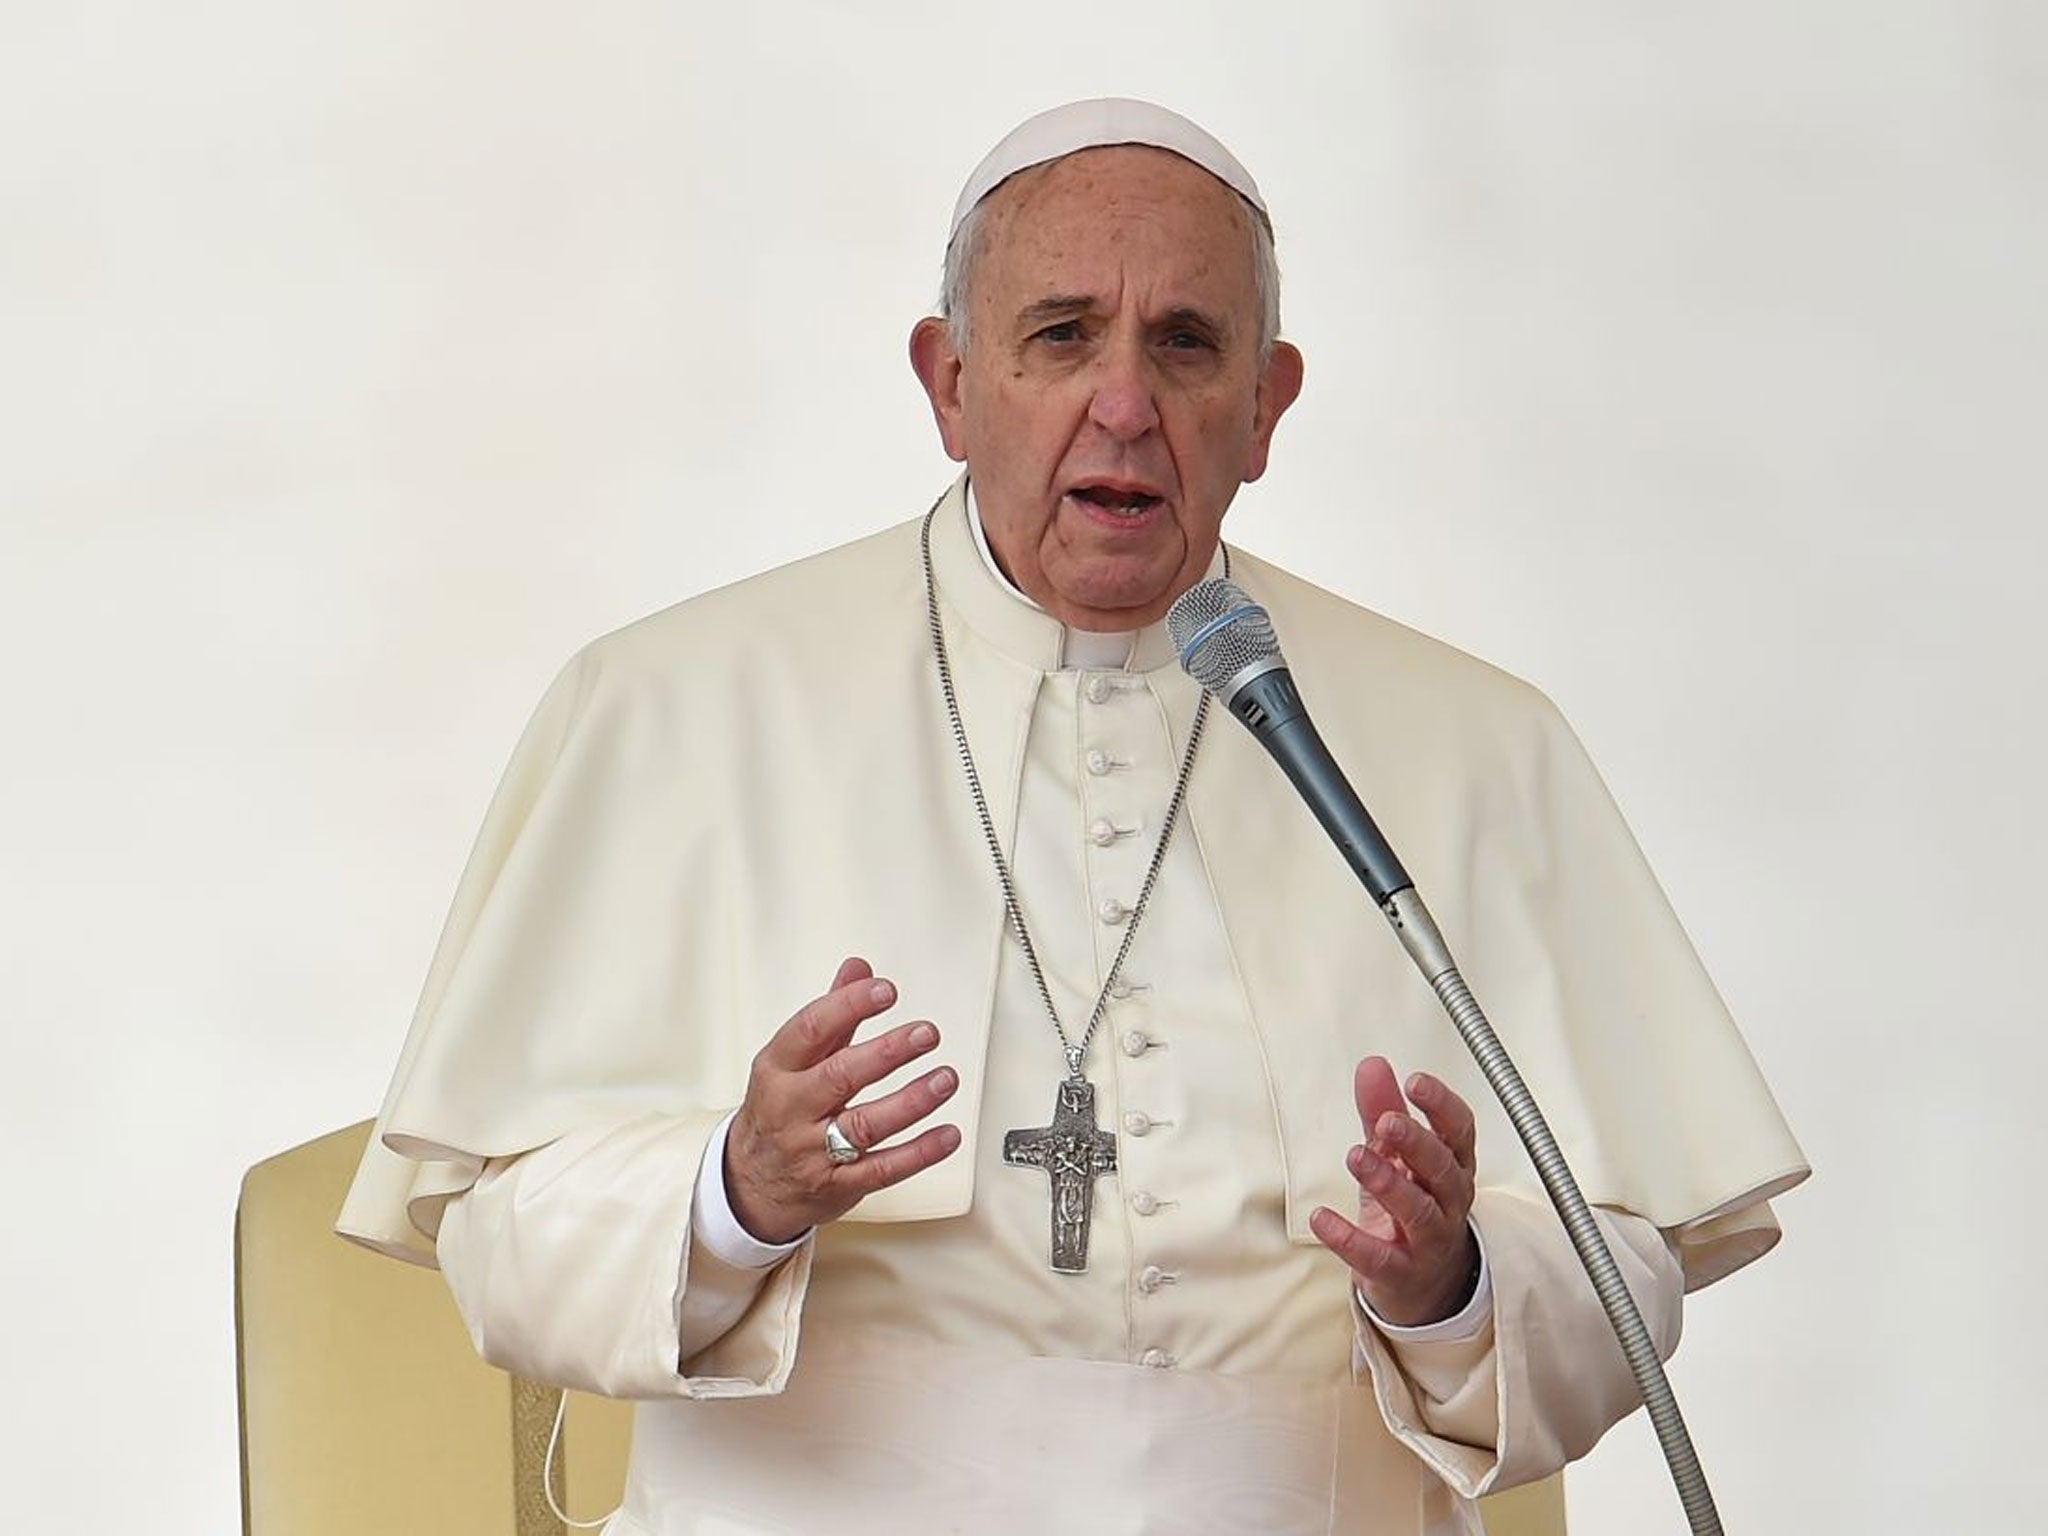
1076, 1052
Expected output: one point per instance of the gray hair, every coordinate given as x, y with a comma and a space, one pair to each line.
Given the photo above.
956, 302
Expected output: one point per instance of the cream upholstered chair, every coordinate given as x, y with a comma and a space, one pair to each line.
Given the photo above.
364, 1409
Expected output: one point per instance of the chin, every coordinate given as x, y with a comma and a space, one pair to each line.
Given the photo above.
1138, 574
1121, 607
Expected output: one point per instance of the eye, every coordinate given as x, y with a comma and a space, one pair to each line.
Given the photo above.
1185, 340
1060, 332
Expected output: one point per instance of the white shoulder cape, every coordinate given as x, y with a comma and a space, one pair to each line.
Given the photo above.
712, 807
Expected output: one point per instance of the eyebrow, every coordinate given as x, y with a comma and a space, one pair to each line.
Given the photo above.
1053, 306
1058, 305
1187, 314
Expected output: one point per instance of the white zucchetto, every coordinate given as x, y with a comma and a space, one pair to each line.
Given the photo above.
1094, 125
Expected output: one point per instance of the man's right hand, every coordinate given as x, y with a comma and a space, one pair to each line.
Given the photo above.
777, 1176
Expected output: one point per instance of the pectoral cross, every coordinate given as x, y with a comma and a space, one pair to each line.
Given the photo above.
1074, 1152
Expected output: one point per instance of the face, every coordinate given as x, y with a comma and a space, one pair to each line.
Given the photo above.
1111, 399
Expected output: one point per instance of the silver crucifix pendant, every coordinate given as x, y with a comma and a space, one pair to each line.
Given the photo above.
1074, 1152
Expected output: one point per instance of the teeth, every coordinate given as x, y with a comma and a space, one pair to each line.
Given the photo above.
1116, 501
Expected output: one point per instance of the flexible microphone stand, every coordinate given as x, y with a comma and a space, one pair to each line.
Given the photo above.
1226, 644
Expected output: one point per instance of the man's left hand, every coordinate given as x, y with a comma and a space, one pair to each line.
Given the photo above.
1411, 1251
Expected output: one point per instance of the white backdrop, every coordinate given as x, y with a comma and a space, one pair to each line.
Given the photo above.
356, 363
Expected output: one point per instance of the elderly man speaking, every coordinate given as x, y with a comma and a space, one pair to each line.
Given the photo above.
1169, 1203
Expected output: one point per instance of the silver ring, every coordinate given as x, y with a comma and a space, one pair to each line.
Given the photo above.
839, 1147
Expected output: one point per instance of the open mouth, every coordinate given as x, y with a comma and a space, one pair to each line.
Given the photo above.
1116, 500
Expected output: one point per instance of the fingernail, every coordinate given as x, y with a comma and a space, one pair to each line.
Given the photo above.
943, 1080
880, 992
949, 1137
924, 1036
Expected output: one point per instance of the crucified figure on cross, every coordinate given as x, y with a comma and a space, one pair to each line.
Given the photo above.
1074, 1152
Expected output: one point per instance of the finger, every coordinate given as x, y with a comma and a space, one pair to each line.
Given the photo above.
1449, 1116
869, 1125
825, 1024
1412, 1208
1375, 1090
832, 1084
1430, 1162
1370, 1258
892, 1165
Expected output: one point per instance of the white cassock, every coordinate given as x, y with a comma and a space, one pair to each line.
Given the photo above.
714, 806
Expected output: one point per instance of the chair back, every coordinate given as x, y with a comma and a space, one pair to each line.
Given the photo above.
363, 1405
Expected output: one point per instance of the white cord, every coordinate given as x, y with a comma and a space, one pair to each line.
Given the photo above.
547, 1473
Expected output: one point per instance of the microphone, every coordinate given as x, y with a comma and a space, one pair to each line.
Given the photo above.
1226, 643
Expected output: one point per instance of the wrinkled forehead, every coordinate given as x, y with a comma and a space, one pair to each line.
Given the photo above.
1099, 124
1114, 223
1100, 183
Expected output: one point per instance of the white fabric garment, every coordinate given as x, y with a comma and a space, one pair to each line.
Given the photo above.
648, 901
1103, 657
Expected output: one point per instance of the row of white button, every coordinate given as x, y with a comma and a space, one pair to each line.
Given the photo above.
1145, 1203
1102, 832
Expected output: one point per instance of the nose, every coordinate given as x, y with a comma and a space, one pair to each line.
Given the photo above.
1123, 404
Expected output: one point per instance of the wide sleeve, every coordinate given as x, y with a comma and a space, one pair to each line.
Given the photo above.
1545, 1378
574, 1263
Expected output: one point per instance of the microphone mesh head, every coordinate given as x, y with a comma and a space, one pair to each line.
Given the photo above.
1219, 632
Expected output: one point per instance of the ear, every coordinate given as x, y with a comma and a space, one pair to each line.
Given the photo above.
1279, 384
937, 367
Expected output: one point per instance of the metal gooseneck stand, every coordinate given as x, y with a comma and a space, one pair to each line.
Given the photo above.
1226, 643
1419, 936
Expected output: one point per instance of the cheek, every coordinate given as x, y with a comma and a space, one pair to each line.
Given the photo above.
1010, 408
1217, 445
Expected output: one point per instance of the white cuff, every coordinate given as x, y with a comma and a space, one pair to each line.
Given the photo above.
713, 1223
1461, 1325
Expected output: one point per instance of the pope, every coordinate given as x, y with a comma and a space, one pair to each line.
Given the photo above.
1134, 1224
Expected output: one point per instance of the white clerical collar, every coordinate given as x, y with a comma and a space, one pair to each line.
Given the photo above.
1093, 650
